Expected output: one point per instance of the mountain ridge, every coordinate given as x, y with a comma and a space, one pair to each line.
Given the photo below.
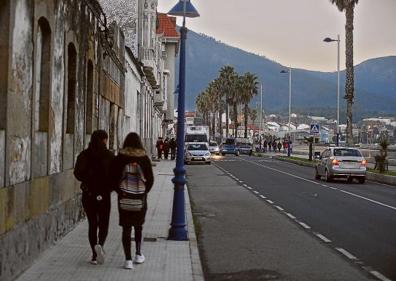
375, 79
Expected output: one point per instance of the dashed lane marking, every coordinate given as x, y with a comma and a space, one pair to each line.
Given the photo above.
269, 201
245, 185
256, 192
323, 238
306, 226
379, 275
248, 187
262, 196
346, 253
279, 208
290, 216
317, 183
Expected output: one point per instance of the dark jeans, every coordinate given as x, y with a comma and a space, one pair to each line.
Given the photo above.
126, 240
98, 214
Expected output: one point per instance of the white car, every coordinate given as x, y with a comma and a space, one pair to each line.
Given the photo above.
197, 152
214, 148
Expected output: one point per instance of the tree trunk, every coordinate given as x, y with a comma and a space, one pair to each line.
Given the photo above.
221, 122
246, 120
213, 124
349, 83
235, 105
227, 113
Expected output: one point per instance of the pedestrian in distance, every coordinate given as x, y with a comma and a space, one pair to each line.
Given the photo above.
274, 145
166, 148
279, 146
93, 170
172, 145
269, 145
265, 145
133, 179
159, 146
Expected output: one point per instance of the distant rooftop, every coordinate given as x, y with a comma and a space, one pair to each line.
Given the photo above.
167, 26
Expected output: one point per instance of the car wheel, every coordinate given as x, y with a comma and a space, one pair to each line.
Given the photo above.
237, 154
349, 179
223, 154
328, 176
317, 176
362, 180
208, 163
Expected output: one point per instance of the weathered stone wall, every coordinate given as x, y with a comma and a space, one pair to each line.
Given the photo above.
39, 197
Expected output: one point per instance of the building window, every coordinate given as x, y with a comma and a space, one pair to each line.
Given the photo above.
90, 97
71, 87
4, 54
43, 58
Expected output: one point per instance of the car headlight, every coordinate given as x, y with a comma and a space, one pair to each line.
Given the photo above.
207, 154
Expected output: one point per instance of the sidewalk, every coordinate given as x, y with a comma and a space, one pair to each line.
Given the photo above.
166, 260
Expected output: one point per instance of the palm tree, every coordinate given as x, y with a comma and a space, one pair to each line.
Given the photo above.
227, 81
249, 84
348, 6
253, 115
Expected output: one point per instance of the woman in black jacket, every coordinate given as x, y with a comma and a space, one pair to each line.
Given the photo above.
132, 154
92, 169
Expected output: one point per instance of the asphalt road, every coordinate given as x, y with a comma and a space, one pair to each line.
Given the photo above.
358, 221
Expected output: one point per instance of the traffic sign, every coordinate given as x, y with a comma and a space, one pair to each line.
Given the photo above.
315, 129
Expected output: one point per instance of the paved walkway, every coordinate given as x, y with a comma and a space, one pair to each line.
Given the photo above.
166, 260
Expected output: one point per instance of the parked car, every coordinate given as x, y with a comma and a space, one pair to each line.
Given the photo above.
229, 147
214, 148
197, 152
245, 148
341, 162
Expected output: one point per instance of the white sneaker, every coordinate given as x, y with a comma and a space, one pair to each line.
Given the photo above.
139, 259
100, 254
128, 264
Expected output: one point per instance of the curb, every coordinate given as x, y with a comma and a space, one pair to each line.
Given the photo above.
385, 179
196, 264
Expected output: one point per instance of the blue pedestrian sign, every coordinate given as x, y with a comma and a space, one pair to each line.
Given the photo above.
315, 129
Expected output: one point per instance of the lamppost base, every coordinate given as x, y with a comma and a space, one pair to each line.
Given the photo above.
178, 233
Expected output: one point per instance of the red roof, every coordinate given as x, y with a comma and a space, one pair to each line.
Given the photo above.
167, 26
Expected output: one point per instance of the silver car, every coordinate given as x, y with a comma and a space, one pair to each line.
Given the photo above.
341, 162
197, 152
214, 148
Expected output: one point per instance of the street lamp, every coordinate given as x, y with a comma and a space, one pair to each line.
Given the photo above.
178, 230
261, 112
329, 40
290, 80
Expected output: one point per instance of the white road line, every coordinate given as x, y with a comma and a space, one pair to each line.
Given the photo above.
323, 238
248, 187
236, 179
256, 192
290, 216
269, 201
379, 275
346, 253
279, 208
306, 226
245, 185
240, 181
314, 182
262, 196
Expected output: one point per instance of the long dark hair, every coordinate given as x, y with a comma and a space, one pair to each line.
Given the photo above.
133, 140
96, 143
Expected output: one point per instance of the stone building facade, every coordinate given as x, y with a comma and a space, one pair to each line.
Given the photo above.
62, 75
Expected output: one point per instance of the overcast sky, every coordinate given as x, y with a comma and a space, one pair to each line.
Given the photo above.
291, 32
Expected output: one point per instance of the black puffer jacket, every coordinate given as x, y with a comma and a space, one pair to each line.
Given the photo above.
126, 156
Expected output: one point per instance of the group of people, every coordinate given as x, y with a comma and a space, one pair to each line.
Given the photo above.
130, 174
273, 145
164, 146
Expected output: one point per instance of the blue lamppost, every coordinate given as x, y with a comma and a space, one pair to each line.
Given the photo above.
290, 78
178, 229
